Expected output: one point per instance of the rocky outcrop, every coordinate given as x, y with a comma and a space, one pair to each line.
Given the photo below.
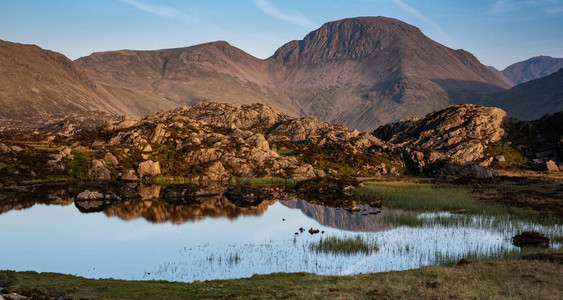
458, 135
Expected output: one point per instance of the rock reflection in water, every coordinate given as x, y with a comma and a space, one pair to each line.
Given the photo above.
365, 220
159, 211
48, 195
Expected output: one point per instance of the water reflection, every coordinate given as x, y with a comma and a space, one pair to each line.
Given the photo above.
366, 219
188, 233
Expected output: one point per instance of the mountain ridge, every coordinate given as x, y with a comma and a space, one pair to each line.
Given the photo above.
362, 72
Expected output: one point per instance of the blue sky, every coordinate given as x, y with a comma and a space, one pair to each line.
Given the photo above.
498, 32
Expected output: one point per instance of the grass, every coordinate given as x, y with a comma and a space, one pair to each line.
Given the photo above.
264, 181
344, 245
437, 198
514, 279
513, 158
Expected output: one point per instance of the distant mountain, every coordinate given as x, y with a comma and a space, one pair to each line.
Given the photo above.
361, 72
533, 68
36, 82
531, 100
501, 75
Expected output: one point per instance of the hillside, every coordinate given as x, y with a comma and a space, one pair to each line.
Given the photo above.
208, 72
533, 99
361, 72
37, 82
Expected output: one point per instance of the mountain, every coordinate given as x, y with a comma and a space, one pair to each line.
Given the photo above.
533, 68
361, 72
531, 100
36, 82
213, 71
369, 71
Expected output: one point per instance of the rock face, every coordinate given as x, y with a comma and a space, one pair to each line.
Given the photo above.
459, 132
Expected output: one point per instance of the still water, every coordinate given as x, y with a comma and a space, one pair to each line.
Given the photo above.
214, 239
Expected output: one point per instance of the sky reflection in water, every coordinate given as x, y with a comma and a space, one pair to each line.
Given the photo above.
53, 238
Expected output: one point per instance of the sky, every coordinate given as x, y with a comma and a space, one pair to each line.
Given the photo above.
498, 32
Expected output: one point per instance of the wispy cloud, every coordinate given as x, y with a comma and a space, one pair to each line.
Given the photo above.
159, 10
417, 14
556, 10
292, 17
503, 6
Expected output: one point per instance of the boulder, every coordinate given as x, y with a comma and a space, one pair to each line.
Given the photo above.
110, 158
98, 171
90, 195
500, 158
149, 168
551, 166
129, 175
465, 170
146, 148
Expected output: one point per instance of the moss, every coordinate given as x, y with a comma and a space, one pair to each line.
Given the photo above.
513, 158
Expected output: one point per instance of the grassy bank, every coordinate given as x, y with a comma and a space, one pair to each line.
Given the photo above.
515, 279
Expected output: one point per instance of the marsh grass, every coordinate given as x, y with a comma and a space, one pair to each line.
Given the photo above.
439, 198
346, 245
502, 254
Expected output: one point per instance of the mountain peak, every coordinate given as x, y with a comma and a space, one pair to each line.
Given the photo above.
352, 38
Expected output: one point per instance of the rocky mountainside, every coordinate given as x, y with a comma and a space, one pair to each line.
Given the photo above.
39, 83
531, 100
533, 68
361, 72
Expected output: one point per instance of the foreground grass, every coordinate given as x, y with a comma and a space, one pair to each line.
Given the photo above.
516, 279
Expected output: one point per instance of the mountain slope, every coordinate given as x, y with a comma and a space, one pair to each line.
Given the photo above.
533, 99
533, 68
369, 71
361, 72
37, 82
211, 72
